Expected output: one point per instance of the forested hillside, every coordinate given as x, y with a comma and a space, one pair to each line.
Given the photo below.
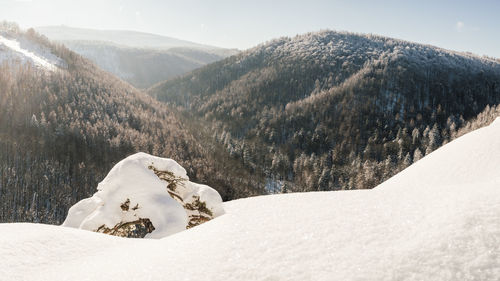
330, 110
61, 131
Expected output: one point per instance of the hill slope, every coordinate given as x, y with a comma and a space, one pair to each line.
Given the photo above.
141, 59
62, 130
330, 110
430, 222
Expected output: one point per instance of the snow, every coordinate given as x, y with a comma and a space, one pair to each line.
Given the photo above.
470, 160
133, 179
437, 220
13, 49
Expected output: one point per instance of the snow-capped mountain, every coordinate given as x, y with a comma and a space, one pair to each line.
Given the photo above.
17, 48
436, 220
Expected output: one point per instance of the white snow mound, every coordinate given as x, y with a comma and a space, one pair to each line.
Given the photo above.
132, 191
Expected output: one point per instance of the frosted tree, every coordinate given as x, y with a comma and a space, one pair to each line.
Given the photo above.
407, 160
434, 137
417, 155
415, 134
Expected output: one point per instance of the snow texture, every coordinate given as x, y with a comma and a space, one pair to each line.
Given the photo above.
26, 51
437, 220
133, 180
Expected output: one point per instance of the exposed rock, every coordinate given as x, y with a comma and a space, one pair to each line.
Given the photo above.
134, 229
125, 205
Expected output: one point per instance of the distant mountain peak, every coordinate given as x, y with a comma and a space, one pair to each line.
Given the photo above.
142, 59
128, 38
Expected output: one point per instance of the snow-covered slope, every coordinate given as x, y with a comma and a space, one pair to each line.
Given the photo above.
20, 49
437, 220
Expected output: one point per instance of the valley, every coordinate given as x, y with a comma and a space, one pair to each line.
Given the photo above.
257, 141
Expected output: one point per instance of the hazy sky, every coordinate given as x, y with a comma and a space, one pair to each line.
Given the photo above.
459, 25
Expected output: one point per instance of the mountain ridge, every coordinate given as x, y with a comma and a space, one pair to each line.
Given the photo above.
336, 100
142, 59
119, 36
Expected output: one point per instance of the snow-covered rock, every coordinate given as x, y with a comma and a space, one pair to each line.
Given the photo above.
145, 196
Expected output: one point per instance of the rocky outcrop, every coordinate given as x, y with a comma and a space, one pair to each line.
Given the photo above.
145, 196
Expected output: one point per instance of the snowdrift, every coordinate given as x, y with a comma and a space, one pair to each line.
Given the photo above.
437, 220
145, 196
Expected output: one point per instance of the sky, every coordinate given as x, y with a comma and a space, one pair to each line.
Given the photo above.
472, 26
